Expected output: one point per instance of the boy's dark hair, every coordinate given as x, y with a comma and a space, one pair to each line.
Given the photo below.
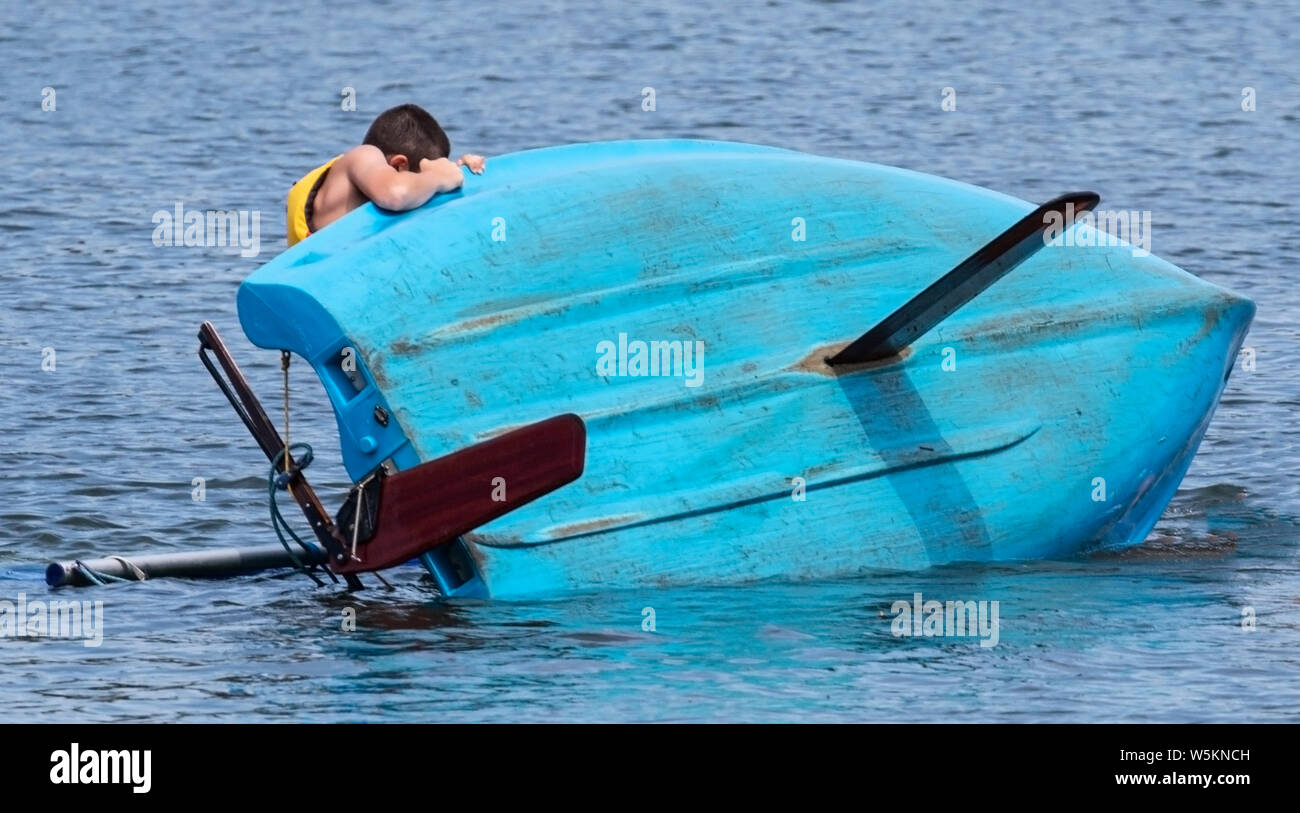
408, 130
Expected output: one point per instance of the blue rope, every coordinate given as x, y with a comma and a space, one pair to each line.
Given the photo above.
278, 479
88, 573
95, 576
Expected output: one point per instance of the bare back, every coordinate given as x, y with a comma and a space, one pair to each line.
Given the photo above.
336, 195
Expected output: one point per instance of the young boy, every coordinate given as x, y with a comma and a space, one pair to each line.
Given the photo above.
399, 166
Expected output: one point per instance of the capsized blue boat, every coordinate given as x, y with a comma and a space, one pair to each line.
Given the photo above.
682, 297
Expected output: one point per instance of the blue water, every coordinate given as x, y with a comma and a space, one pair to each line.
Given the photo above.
224, 105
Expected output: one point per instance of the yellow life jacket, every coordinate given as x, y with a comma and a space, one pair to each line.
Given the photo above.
300, 201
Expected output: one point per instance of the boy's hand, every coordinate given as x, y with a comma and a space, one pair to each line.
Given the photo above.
474, 163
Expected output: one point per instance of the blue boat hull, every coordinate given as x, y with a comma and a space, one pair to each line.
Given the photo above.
1054, 414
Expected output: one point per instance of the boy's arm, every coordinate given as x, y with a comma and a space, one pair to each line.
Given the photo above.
387, 188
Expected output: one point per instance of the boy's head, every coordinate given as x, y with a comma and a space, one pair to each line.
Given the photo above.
406, 134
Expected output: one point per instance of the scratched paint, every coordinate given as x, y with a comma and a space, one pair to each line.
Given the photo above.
1082, 363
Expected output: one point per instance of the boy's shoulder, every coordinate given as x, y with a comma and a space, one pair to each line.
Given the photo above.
361, 154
